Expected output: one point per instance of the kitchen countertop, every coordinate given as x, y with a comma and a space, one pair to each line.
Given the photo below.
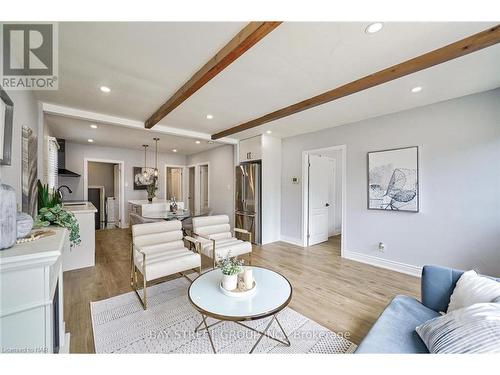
84, 207
145, 201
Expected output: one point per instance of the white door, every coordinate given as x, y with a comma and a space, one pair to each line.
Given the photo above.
117, 182
203, 188
319, 190
191, 195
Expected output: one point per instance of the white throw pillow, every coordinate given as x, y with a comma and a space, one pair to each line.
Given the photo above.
473, 329
472, 288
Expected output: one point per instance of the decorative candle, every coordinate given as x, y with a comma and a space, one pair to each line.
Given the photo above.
248, 278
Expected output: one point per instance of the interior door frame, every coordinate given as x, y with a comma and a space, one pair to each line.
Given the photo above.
185, 182
305, 192
122, 183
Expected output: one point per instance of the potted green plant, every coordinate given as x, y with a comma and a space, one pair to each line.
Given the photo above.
58, 216
47, 198
51, 212
230, 267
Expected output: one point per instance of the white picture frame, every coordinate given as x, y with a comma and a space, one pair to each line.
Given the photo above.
393, 180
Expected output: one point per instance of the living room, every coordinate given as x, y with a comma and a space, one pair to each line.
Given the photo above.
278, 187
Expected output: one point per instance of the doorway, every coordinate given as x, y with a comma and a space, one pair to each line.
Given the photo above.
204, 188
103, 183
191, 195
174, 182
199, 188
323, 209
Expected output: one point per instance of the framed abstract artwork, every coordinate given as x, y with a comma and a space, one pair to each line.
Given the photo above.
6, 117
29, 171
141, 179
393, 180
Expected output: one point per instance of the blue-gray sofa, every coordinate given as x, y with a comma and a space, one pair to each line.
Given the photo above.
394, 331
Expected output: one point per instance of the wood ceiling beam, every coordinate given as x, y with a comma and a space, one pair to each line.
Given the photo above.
250, 35
452, 51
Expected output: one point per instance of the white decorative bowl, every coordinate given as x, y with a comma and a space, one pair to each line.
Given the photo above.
237, 293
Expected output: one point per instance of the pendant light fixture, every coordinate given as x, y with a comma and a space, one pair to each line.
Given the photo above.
156, 172
145, 172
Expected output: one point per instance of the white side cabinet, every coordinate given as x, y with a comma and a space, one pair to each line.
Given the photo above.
31, 296
250, 149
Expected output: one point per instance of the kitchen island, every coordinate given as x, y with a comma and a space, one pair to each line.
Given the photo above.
82, 255
145, 208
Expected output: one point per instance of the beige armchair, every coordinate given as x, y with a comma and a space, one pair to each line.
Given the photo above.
158, 250
216, 239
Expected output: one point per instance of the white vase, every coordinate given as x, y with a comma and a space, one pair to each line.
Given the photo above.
248, 278
8, 228
229, 282
24, 224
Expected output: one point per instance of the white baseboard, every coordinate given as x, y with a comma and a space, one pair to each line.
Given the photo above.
292, 240
65, 349
408, 269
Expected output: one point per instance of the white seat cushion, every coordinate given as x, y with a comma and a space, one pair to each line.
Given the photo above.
169, 262
223, 247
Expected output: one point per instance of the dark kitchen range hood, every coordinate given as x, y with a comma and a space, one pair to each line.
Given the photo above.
61, 160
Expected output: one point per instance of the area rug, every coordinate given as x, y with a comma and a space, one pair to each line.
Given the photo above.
120, 325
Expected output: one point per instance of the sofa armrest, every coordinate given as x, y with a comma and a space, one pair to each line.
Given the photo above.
193, 241
245, 232
437, 285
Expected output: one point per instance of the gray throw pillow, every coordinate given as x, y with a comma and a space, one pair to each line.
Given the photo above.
472, 329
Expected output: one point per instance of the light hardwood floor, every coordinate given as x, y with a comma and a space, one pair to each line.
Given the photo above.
343, 295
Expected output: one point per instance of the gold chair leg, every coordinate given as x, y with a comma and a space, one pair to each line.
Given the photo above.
250, 259
132, 266
143, 299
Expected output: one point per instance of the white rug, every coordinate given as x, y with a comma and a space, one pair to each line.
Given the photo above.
120, 325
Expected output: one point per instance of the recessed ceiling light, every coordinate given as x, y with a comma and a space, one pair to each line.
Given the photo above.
105, 89
209, 117
416, 89
374, 27
93, 126
174, 150
90, 140
197, 142
269, 131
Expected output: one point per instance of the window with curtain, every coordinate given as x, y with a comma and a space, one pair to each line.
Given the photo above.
51, 172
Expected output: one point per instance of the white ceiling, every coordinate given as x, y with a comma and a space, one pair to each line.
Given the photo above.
144, 63
79, 131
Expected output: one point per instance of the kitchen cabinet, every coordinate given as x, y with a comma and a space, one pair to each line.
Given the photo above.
250, 149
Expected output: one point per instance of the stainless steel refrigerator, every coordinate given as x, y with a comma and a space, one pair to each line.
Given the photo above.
248, 199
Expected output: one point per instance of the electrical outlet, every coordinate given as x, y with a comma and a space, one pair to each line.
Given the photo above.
381, 247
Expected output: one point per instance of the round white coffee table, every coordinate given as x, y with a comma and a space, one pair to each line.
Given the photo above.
273, 294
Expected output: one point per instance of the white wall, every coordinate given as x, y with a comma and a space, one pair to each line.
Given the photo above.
221, 178
25, 113
459, 220
76, 153
271, 189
